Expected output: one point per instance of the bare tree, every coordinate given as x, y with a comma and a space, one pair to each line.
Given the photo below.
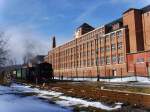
3, 50
12, 61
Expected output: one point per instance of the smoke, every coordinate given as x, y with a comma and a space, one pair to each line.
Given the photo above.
22, 41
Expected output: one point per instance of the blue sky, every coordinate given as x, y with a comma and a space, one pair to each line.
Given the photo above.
61, 17
42, 19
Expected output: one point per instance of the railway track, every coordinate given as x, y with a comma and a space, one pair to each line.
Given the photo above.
106, 95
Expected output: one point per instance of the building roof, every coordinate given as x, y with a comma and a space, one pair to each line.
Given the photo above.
115, 21
85, 25
146, 9
130, 10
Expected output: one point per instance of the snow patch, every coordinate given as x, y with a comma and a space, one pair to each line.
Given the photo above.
66, 100
16, 103
124, 79
69, 101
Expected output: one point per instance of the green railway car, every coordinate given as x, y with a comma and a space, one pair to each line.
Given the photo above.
18, 74
40, 72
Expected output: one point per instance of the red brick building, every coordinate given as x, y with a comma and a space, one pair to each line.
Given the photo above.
119, 48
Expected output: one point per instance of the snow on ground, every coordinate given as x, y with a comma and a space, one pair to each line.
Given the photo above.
23, 88
69, 101
11, 102
124, 79
128, 79
4, 89
66, 100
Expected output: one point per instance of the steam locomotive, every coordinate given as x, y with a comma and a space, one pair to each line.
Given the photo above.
38, 73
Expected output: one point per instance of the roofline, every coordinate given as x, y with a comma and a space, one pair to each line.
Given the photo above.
131, 9
79, 37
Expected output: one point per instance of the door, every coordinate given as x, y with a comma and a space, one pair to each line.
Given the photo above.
148, 71
114, 73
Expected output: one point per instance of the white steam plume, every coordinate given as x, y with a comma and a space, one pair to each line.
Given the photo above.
22, 41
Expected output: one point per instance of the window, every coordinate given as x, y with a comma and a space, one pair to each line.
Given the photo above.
88, 62
102, 49
102, 60
84, 53
119, 34
107, 38
99, 40
140, 60
147, 13
120, 58
80, 63
92, 52
107, 59
88, 44
107, 48
92, 62
89, 53
92, 43
113, 47
102, 40
120, 45
97, 61
80, 47
84, 62
97, 50
84, 46
148, 59
114, 58
77, 63
81, 54
77, 48
112, 36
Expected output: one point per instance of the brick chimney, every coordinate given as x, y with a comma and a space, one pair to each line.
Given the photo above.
53, 42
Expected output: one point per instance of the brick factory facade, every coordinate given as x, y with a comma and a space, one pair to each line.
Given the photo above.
117, 49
